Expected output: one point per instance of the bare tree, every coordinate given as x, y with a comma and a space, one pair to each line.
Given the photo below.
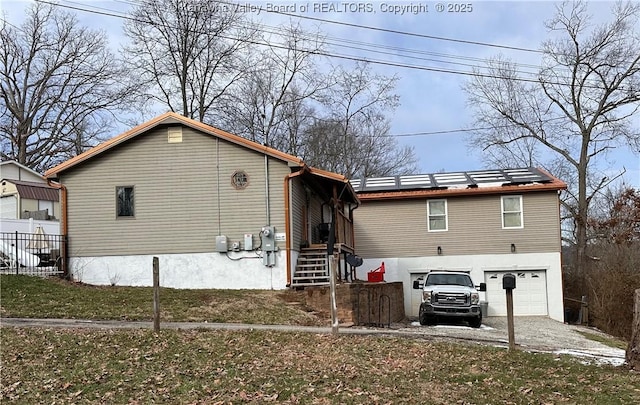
580, 107
186, 53
613, 273
353, 138
58, 85
273, 101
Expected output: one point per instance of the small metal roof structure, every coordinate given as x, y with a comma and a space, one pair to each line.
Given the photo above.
467, 182
35, 191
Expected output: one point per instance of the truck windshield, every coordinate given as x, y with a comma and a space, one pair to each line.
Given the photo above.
449, 279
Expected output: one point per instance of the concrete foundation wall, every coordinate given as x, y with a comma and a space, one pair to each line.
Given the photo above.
196, 270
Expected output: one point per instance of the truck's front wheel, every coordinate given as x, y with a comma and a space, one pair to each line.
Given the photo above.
426, 319
475, 322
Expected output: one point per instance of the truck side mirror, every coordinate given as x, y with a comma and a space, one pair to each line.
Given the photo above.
417, 285
508, 281
483, 287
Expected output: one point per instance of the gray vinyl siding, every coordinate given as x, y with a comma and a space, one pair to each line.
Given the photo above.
315, 217
399, 228
298, 201
183, 196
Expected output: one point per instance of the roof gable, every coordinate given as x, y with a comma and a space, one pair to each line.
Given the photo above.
6, 163
168, 119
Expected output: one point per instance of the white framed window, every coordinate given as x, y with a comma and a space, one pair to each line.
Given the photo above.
512, 212
125, 207
437, 215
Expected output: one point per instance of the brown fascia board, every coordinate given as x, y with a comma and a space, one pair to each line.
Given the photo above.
554, 185
170, 118
335, 177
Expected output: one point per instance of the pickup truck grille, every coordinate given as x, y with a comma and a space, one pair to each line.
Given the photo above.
451, 299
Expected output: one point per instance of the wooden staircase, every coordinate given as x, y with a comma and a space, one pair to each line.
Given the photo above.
312, 268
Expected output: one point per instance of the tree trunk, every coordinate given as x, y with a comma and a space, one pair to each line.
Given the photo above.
633, 350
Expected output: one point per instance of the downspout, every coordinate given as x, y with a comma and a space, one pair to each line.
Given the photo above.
266, 185
287, 222
218, 182
63, 222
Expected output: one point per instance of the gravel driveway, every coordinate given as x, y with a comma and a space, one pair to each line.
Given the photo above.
531, 333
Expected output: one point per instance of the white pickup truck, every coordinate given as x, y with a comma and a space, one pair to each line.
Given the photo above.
449, 294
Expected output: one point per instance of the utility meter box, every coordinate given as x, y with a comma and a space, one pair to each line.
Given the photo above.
509, 281
221, 244
268, 239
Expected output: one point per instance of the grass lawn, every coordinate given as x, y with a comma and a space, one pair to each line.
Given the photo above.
33, 297
39, 365
220, 367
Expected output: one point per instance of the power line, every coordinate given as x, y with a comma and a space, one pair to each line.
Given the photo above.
313, 52
412, 34
270, 29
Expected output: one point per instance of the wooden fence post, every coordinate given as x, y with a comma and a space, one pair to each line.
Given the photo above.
156, 295
633, 350
510, 326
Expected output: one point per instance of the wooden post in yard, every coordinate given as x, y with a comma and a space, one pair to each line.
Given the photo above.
156, 295
512, 338
332, 288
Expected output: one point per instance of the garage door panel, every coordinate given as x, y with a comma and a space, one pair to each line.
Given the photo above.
529, 297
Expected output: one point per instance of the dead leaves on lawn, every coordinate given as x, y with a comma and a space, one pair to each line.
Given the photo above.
225, 367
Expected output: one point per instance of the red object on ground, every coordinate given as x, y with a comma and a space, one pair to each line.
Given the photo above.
376, 275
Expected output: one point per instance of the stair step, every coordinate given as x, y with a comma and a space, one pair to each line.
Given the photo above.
319, 284
312, 265
311, 273
321, 277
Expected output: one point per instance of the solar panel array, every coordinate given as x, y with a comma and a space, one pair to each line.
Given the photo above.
455, 180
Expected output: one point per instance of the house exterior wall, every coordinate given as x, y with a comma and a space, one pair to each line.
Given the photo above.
399, 228
183, 196
402, 269
193, 271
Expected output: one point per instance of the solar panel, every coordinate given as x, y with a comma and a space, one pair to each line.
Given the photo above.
439, 181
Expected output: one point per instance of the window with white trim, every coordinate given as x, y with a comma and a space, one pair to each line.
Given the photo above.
512, 212
124, 202
437, 215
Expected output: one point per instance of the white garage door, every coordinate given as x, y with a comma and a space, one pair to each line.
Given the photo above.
529, 297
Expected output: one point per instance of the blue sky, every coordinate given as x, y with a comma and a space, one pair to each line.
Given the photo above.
429, 101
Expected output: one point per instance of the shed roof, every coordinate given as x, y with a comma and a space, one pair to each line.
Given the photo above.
35, 191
